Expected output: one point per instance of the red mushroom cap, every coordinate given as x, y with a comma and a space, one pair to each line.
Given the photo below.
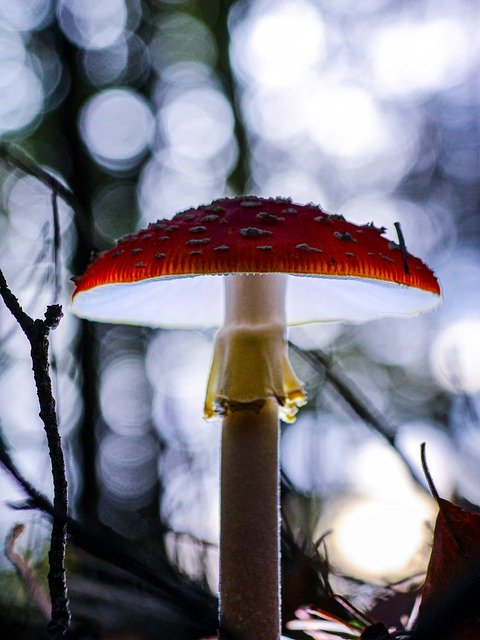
250, 235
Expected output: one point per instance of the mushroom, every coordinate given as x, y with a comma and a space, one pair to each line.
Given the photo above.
280, 262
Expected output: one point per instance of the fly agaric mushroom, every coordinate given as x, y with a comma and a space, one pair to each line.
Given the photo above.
280, 261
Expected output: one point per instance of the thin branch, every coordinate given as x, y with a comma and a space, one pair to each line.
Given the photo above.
14, 157
104, 544
56, 246
355, 399
403, 246
42, 502
13, 305
428, 475
347, 389
37, 333
441, 503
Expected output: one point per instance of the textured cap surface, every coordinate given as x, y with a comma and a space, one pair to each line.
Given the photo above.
132, 282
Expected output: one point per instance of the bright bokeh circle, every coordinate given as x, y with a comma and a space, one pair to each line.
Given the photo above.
455, 356
379, 539
117, 126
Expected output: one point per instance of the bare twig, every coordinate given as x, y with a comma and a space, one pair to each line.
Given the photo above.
26, 573
441, 503
403, 247
428, 475
16, 158
37, 332
104, 544
56, 246
355, 399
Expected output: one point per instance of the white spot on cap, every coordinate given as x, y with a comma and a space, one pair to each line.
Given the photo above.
197, 241
215, 207
386, 258
344, 235
394, 246
306, 247
253, 232
269, 217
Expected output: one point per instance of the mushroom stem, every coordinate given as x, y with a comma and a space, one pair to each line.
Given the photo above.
250, 379
255, 299
249, 528
250, 362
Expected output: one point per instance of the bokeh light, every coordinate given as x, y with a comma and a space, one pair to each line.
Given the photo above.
108, 206
369, 109
117, 126
381, 531
182, 37
165, 191
192, 507
345, 121
295, 182
27, 15
107, 64
380, 540
92, 26
21, 90
315, 447
22, 422
128, 413
128, 467
455, 356
418, 223
274, 112
412, 57
178, 370
280, 42
197, 123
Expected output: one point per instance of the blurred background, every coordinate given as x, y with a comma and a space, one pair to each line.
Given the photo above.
143, 108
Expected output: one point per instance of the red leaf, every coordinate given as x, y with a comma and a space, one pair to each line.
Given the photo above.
450, 608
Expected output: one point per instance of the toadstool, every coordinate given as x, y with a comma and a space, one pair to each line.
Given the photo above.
281, 262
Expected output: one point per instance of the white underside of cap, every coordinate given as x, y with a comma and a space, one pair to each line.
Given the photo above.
189, 302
